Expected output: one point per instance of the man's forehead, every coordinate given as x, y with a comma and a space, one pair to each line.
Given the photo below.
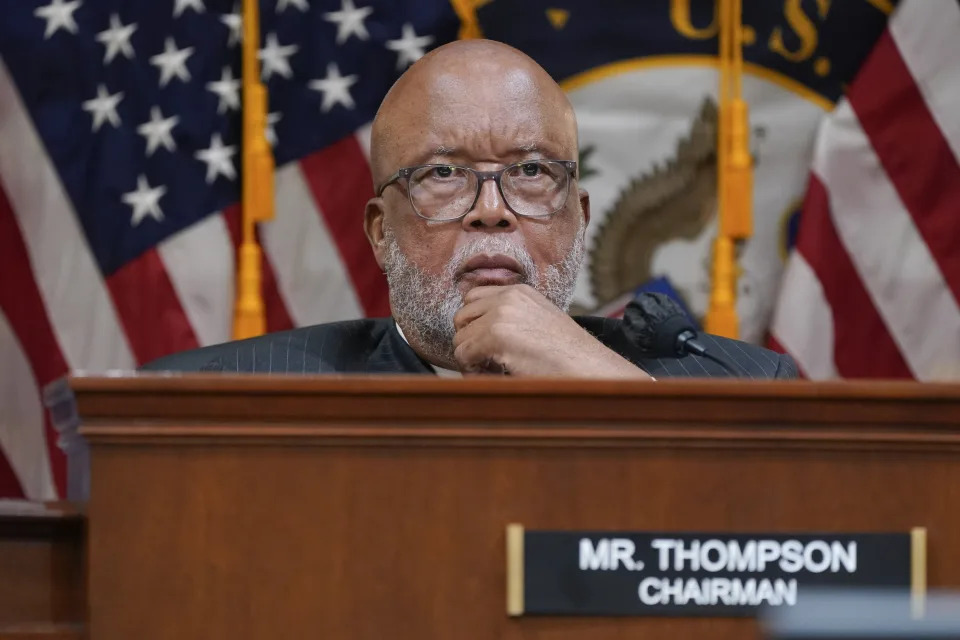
459, 106
498, 122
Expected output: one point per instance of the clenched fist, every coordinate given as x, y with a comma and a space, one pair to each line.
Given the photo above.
514, 329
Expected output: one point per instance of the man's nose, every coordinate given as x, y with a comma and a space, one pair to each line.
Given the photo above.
490, 209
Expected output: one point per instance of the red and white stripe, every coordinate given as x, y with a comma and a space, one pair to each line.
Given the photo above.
58, 314
872, 289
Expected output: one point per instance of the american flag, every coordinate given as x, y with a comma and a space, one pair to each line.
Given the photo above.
872, 289
119, 183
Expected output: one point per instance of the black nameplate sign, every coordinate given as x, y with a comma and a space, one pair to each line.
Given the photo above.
695, 574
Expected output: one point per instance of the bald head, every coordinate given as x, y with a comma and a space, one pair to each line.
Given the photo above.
471, 101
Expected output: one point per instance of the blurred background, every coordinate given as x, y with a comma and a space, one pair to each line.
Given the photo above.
120, 177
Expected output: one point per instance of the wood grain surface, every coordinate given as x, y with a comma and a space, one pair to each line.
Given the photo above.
355, 508
42, 575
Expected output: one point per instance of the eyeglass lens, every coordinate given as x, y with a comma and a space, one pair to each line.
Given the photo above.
536, 188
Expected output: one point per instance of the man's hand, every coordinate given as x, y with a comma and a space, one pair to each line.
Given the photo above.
514, 329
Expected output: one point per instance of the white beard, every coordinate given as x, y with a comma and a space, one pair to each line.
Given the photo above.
425, 305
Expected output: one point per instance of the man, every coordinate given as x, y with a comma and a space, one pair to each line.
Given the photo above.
478, 222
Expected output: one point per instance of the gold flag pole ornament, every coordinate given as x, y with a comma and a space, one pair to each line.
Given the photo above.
256, 196
734, 175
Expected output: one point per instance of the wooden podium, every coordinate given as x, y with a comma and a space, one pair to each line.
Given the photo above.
358, 508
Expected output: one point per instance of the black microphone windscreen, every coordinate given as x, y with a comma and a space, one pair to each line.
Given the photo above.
653, 321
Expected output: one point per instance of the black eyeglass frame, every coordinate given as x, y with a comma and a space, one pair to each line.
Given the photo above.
482, 176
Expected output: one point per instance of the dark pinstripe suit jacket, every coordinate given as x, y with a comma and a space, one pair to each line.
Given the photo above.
375, 346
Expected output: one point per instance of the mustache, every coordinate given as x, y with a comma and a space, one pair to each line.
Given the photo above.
494, 244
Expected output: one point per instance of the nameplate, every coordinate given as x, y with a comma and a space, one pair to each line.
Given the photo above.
584, 573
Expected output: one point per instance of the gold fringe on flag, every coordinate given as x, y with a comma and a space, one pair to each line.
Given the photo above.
256, 198
734, 175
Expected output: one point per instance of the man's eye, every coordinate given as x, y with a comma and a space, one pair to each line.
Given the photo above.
443, 172
530, 169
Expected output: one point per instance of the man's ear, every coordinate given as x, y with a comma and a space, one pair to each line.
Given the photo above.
373, 227
585, 206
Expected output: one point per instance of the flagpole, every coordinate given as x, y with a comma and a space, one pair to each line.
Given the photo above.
256, 198
734, 175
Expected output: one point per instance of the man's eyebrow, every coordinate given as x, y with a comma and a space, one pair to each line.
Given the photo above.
447, 152
436, 152
524, 148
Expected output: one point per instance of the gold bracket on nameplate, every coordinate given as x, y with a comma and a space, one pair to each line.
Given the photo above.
918, 570
514, 569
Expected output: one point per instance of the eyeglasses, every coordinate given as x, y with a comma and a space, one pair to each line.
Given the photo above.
533, 188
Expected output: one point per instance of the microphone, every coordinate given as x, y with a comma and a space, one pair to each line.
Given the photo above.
660, 328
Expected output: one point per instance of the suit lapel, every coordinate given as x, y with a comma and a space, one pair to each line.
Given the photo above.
392, 354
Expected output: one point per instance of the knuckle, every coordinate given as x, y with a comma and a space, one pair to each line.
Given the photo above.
463, 352
500, 331
495, 314
516, 295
